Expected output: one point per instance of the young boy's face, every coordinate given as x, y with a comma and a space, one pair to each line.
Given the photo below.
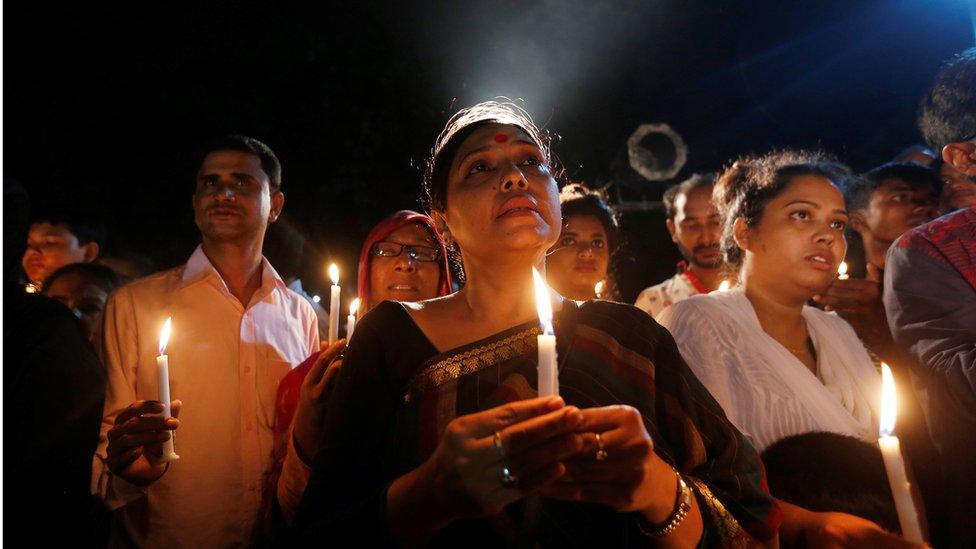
50, 247
897, 206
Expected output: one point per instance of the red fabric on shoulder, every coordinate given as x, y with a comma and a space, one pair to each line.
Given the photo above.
287, 400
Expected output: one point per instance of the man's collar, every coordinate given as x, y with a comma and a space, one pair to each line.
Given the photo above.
199, 267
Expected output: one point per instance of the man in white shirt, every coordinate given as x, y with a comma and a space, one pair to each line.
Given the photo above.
236, 331
695, 228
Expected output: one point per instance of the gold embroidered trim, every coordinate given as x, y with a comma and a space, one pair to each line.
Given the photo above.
730, 531
474, 360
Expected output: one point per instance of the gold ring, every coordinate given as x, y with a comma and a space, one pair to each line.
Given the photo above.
601, 453
496, 442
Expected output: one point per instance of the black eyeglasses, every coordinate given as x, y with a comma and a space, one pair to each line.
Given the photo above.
416, 253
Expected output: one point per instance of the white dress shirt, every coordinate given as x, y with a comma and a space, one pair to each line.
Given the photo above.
225, 363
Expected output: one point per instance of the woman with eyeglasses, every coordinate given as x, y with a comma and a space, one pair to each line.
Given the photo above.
579, 262
402, 259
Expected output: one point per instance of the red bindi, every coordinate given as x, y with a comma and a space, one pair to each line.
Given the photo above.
500, 138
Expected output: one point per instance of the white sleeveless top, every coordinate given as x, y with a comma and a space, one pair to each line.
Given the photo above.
765, 390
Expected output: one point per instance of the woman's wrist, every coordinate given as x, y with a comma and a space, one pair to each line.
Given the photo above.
664, 486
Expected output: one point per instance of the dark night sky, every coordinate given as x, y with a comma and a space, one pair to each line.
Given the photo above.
104, 105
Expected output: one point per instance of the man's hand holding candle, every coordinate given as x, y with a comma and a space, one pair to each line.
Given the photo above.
135, 442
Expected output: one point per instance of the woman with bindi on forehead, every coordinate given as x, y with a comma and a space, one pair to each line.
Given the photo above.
457, 377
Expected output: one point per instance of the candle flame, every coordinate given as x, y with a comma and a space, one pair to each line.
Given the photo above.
334, 274
542, 303
598, 288
842, 268
164, 335
724, 286
888, 401
354, 306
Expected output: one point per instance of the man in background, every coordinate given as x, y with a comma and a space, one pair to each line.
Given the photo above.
57, 238
695, 228
930, 297
237, 330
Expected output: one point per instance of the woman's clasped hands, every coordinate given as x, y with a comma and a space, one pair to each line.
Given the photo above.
489, 459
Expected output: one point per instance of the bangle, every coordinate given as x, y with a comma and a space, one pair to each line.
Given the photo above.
682, 506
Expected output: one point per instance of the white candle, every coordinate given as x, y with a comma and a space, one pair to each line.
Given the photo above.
598, 288
351, 319
334, 304
548, 371
894, 463
162, 388
842, 271
724, 286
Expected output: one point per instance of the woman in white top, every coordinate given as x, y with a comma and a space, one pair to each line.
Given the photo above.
777, 366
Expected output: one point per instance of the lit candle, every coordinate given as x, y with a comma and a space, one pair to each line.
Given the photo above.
894, 463
548, 373
842, 271
724, 286
334, 304
162, 388
351, 319
598, 288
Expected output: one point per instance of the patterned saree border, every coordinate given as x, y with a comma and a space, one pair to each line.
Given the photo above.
476, 359
730, 532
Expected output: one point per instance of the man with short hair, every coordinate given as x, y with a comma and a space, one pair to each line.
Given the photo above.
930, 297
59, 238
886, 202
696, 229
53, 391
882, 204
236, 331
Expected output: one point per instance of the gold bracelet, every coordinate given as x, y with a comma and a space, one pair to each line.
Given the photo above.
682, 506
